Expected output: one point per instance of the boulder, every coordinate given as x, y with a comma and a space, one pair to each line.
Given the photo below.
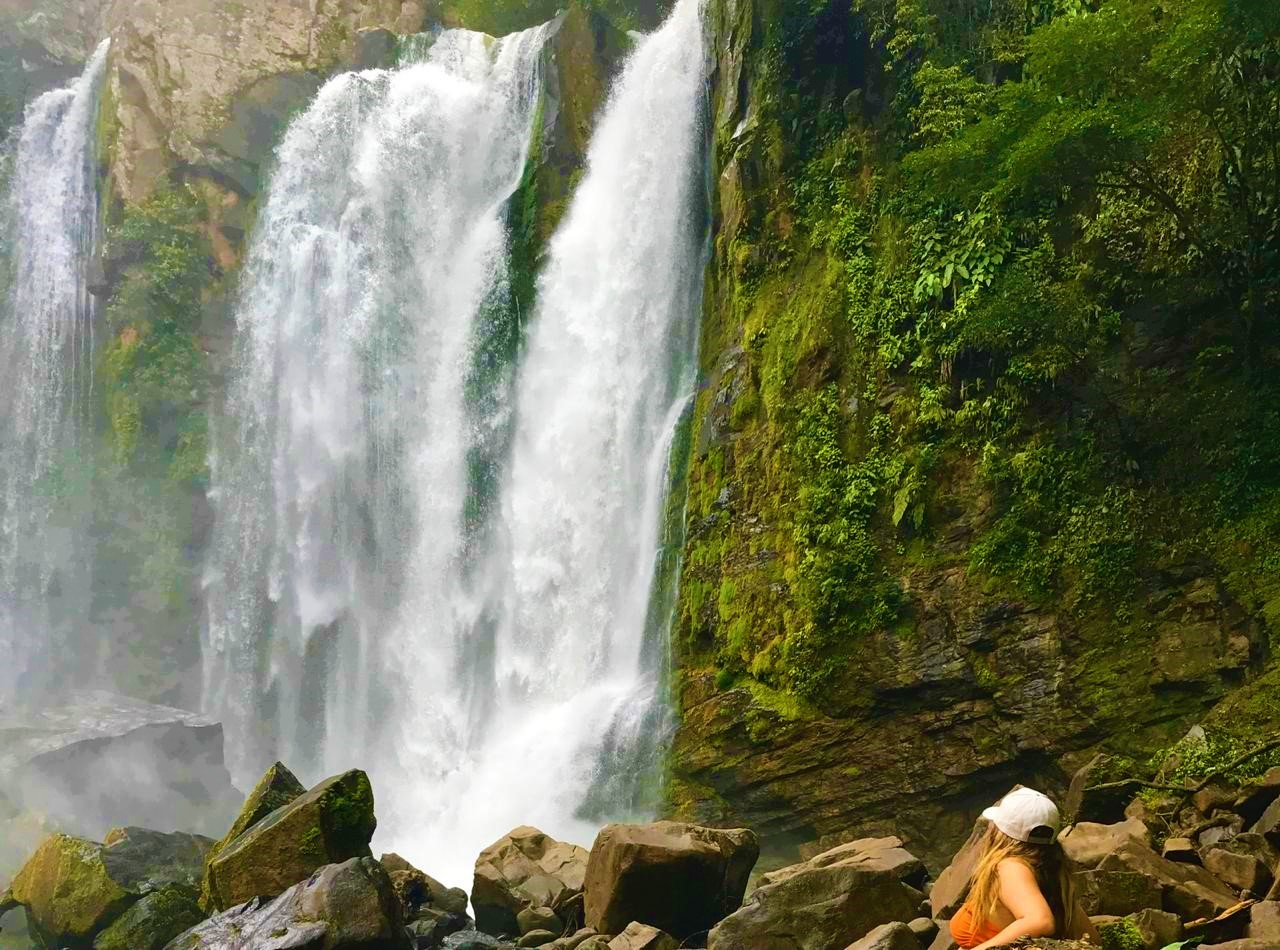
1086, 843
924, 929
1187, 890
944, 941
1157, 927
642, 937
1257, 794
952, 885
431, 927
539, 918
1268, 822
420, 894
277, 788
536, 938
1182, 850
1086, 802
680, 878
1244, 872
330, 824
473, 940
1264, 922
99, 760
350, 906
829, 901
73, 889
153, 921
1212, 797
893, 936
1244, 943
524, 868
1118, 892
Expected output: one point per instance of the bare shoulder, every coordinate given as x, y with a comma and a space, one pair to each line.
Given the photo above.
1015, 869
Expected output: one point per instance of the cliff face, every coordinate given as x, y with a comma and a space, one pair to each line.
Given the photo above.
862, 646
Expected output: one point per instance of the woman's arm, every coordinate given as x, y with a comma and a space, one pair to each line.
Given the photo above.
1020, 894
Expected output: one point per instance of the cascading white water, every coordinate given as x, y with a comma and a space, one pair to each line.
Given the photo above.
431, 565
381, 242
46, 342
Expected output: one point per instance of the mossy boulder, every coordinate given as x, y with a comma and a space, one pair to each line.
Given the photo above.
153, 921
73, 889
330, 824
277, 788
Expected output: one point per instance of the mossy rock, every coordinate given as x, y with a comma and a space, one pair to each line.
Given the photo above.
67, 891
153, 921
330, 824
277, 788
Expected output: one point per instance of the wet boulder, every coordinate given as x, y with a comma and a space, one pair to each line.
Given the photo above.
643, 937
330, 824
277, 788
522, 869
831, 900
1187, 889
347, 906
680, 878
153, 921
73, 889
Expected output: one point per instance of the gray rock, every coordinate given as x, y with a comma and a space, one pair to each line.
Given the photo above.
822, 903
473, 940
1188, 890
679, 878
350, 905
1180, 849
924, 929
1158, 928
539, 918
524, 868
1087, 843
1264, 922
536, 938
643, 937
81, 765
893, 936
1118, 892
1244, 872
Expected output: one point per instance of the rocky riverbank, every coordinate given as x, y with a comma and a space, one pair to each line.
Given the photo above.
1197, 860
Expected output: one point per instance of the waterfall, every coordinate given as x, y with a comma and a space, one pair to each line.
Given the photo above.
46, 348
428, 562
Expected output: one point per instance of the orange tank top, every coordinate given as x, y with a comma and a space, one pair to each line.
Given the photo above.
969, 931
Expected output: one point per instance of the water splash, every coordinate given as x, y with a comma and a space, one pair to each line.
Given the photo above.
46, 346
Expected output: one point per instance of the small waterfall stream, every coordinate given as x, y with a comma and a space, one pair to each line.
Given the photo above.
47, 242
426, 564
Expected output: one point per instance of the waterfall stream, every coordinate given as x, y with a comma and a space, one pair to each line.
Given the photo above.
429, 564
47, 242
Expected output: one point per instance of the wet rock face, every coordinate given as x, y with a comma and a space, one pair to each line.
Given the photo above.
208, 84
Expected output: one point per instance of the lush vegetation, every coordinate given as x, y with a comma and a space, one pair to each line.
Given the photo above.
1011, 278
499, 17
152, 469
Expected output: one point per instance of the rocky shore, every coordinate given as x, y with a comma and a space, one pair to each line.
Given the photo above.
1200, 863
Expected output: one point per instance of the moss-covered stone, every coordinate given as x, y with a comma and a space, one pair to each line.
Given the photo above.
153, 921
328, 825
277, 788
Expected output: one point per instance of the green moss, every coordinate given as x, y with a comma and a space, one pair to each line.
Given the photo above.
1121, 935
349, 815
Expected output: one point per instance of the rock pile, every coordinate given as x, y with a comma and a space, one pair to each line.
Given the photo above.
295, 871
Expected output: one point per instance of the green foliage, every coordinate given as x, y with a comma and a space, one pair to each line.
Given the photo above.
1121, 935
500, 17
1193, 758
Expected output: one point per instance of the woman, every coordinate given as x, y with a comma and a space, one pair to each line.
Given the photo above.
1022, 886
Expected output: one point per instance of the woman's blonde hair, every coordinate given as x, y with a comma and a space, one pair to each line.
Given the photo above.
1047, 862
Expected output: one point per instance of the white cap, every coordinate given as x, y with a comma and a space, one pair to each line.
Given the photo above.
1026, 815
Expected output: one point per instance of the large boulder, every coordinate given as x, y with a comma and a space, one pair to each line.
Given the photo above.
525, 868
72, 889
153, 921
643, 937
829, 901
277, 787
418, 890
99, 761
1188, 890
347, 906
894, 936
952, 885
1086, 843
680, 878
330, 824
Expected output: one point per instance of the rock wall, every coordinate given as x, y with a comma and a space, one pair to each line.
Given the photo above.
960, 686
